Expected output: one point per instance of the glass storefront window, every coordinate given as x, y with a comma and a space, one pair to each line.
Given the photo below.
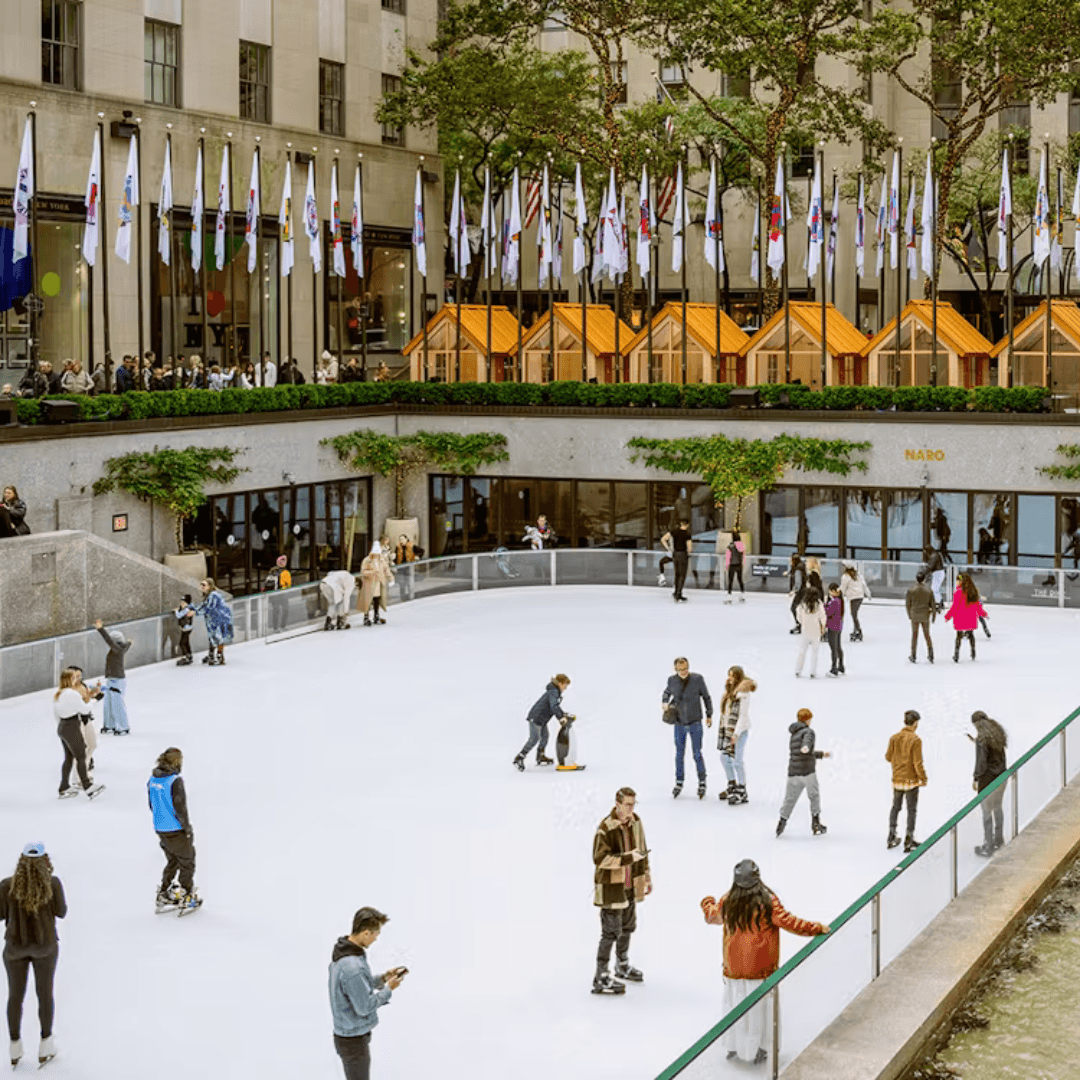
593, 514
297, 544
865, 512
949, 525
1070, 531
447, 515
990, 531
231, 534
631, 524
327, 529
904, 526
694, 502
780, 532
1036, 530
483, 528
524, 500
821, 521
266, 533
377, 305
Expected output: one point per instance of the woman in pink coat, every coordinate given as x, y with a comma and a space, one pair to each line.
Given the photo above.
965, 613
734, 557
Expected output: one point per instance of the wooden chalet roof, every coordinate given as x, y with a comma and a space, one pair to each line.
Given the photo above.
841, 338
504, 327
953, 330
701, 325
600, 327
1066, 319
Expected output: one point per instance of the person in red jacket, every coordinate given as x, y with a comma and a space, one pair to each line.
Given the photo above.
965, 612
752, 917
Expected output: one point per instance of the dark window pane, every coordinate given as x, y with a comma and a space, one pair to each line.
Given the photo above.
46, 63
904, 529
631, 515
159, 85
171, 40
71, 35
170, 87
593, 514
148, 82
482, 495
148, 42
865, 510
949, 524
780, 521
821, 522
991, 516
47, 20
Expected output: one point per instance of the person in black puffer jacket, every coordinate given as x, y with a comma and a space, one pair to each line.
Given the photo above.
990, 763
13, 514
802, 772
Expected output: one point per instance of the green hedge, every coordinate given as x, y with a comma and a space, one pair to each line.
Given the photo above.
143, 406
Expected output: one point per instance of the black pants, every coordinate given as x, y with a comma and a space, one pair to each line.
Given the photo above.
71, 735
960, 635
912, 809
179, 859
734, 572
355, 1054
682, 564
855, 605
616, 926
185, 643
17, 964
925, 626
837, 649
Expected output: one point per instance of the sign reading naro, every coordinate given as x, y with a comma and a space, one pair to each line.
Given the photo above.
924, 455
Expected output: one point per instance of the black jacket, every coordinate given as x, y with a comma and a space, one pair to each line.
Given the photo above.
989, 764
17, 512
114, 662
547, 705
935, 562
24, 928
687, 698
800, 764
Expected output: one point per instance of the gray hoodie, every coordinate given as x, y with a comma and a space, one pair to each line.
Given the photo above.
118, 646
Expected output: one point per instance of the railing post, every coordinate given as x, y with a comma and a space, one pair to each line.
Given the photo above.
1064, 763
552, 566
56, 663
954, 856
1061, 588
875, 936
776, 1032
629, 566
1014, 783
475, 572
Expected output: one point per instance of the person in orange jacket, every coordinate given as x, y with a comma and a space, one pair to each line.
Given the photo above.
752, 917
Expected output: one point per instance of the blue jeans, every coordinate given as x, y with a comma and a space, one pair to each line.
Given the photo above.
695, 733
733, 763
538, 733
115, 716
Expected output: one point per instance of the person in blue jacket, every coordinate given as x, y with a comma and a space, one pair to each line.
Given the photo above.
546, 706
168, 802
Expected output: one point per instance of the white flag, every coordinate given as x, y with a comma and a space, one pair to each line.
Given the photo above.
928, 219
860, 230
457, 231
1076, 219
1040, 245
92, 200
755, 244
556, 264
909, 228
598, 242
1005, 210
512, 239
251, 214
543, 231
894, 212
834, 229
882, 222
24, 192
1058, 233
646, 224
714, 240
582, 220
224, 208
165, 207
285, 223
337, 240
624, 243
815, 223
198, 208
779, 215
487, 227
356, 240
129, 199
678, 223
612, 240
312, 225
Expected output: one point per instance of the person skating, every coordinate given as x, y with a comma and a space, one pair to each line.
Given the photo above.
337, 590
812, 622
679, 543
964, 612
904, 753
990, 763
376, 578
802, 772
546, 706
834, 629
89, 731
752, 917
854, 590
278, 579
115, 718
356, 995
621, 881
734, 731
185, 619
935, 567
796, 574
167, 797
734, 557
219, 625
31, 901
686, 692
69, 707
920, 610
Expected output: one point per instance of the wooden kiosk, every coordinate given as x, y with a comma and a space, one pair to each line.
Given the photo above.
442, 335
704, 362
1029, 359
599, 347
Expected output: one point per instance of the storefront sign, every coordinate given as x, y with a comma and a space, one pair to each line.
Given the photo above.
924, 455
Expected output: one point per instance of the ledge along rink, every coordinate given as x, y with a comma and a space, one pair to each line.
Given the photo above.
374, 767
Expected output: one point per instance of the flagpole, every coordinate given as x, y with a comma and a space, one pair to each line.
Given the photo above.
784, 277
423, 277
1049, 277
230, 254
314, 275
360, 271
519, 372
760, 260
716, 266
1059, 233
139, 244
899, 250
35, 266
551, 284
202, 265
172, 266
261, 284
682, 234
881, 276
649, 275
809, 200
340, 283
502, 258
102, 219
858, 309
618, 291
1009, 273
832, 276
821, 272
289, 276
489, 228
585, 306
911, 240
933, 264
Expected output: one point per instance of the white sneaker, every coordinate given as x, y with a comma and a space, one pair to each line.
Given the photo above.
660, 580
16, 1052
46, 1051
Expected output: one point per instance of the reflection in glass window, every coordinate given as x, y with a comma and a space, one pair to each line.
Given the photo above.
780, 521
990, 531
297, 545
230, 532
1036, 530
380, 313
692, 502
447, 515
865, 513
821, 521
631, 526
483, 534
266, 531
524, 500
904, 526
354, 524
949, 525
593, 514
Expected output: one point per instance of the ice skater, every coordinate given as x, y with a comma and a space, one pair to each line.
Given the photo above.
734, 557
219, 624
904, 754
920, 611
185, 619
89, 730
277, 580
31, 901
546, 706
115, 719
935, 567
990, 763
167, 797
854, 590
802, 773
376, 578
834, 629
337, 590
734, 731
811, 618
964, 613
621, 881
69, 706
685, 693
752, 917
796, 575
678, 542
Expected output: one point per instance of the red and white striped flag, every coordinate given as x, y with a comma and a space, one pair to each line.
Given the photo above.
666, 195
532, 202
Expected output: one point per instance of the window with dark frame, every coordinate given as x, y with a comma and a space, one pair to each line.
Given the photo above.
331, 98
60, 37
161, 67
255, 82
394, 5
391, 134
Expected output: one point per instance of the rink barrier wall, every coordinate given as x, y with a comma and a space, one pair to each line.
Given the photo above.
945, 865
36, 665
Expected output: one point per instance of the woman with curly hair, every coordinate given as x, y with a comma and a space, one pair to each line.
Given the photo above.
734, 731
752, 917
71, 708
990, 763
31, 901
965, 611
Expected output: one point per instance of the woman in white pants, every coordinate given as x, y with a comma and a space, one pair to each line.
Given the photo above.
810, 615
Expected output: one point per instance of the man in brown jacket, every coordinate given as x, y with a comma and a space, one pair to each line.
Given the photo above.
622, 879
920, 610
908, 775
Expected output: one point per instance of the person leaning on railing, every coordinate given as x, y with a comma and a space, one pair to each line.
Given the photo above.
990, 763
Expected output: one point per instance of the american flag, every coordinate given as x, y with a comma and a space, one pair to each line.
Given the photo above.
532, 200
665, 195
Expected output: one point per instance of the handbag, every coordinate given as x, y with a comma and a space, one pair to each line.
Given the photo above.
670, 714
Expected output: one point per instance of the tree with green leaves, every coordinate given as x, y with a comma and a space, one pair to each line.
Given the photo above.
401, 455
174, 479
739, 468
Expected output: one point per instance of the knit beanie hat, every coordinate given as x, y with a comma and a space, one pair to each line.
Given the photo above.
747, 874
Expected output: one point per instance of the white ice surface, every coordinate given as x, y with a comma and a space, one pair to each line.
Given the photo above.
374, 767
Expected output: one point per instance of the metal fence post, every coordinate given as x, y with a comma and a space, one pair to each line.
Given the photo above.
553, 566
776, 1032
1064, 763
875, 936
1014, 782
475, 572
954, 855
629, 566
1061, 588
56, 661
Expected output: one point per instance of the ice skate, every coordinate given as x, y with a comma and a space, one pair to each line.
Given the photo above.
625, 970
676, 791
543, 759
189, 902
701, 789
69, 793
816, 825
342, 623
912, 658
519, 763
329, 624
603, 983
761, 1056
367, 619
739, 796
728, 600
16, 1052
728, 791
781, 825
168, 899
910, 843
893, 841
660, 580
46, 1051
94, 790
742, 599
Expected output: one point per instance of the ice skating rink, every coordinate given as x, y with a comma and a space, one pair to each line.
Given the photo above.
374, 767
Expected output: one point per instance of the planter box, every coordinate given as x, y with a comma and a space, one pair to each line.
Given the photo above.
192, 565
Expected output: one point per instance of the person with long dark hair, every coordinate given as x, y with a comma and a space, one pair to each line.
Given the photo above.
854, 590
796, 575
810, 614
734, 557
31, 901
965, 612
752, 917
734, 731
990, 763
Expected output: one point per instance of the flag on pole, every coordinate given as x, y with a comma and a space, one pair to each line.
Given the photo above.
24, 192
556, 266
512, 240
91, 201
1076, 218
714, 239
129, 199
927, 222
543, 232
337, 239
909, 228
882, 222
598, 241
251, 214
834, 229
582, 220
356, 238
285, 223
624, 241
198, 213
312, 225
815, 223
755, 243
678, 223
165, 205
1005, 211
611, 242
894, 212
1056, 249
1040, 245
646, 224
487, 227
459, 234
223, 210
532, 202
665, 195
860, 229
779, 214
